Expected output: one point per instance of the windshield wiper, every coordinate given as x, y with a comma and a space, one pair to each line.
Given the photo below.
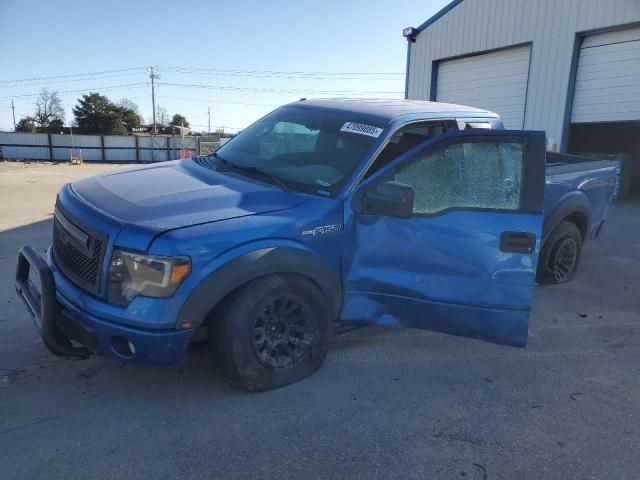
252, 168
225, 163
274, 178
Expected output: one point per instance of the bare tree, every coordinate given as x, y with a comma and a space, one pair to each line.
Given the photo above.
162, 115
129, 105
49, 110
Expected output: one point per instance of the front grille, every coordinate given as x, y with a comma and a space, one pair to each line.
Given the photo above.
80, 262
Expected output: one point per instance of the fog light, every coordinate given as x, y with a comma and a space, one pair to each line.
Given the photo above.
123, 346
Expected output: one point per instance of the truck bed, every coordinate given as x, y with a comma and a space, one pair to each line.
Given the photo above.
576, 162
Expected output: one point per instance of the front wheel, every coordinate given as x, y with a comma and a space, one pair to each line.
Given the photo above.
275, 331
560, 255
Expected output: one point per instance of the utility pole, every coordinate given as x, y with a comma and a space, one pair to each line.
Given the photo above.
13, 112
153, 77
209, 113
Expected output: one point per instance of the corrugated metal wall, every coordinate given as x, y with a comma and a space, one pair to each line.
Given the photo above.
475, 26
89, 144
35, 146
31, 152
154, 149
122, 154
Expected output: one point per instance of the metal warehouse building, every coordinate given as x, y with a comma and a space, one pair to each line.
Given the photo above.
570, 67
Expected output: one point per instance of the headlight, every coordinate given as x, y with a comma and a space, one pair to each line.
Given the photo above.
132, 274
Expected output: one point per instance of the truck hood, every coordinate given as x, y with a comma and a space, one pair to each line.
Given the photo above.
170, 195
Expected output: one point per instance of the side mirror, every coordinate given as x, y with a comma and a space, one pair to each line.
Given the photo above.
392, 199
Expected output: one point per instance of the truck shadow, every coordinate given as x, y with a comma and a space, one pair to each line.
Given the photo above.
25, 360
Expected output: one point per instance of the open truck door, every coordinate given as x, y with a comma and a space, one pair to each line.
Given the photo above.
446, 236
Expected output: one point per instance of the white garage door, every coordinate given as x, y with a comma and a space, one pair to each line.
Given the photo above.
495, 81
608, 78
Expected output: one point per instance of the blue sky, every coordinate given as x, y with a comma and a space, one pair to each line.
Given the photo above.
222, 50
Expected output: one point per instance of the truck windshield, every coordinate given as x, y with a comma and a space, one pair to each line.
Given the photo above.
302, 149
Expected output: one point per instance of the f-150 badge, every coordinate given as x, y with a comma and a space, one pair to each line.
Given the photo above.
322, 230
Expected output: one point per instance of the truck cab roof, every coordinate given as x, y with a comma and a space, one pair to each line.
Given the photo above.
388, 110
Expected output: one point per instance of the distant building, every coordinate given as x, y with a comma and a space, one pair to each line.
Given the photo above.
210, 143
162, 129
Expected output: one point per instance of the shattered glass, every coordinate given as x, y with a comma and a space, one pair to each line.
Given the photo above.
465, 175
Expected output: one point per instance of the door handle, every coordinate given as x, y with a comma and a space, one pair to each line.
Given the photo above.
517, 242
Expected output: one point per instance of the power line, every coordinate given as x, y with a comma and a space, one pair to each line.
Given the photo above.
72, 75
94, 89
21, 107
70, 80
214, 127
287, 75
277, 72
21, 111
276, 90
205, 70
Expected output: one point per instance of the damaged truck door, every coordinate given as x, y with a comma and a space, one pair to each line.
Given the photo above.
446, 237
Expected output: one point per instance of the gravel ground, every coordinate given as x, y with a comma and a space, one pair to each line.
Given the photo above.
388, 402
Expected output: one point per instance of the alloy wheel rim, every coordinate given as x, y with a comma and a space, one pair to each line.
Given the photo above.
565, 259
283, 332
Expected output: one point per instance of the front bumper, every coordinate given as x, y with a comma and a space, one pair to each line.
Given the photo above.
61, 323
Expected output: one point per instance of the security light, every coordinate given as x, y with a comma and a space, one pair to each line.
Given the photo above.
410, 32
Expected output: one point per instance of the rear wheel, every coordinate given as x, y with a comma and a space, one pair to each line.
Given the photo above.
560, 255
275, 331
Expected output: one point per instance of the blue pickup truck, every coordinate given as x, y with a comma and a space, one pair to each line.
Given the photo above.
409, 213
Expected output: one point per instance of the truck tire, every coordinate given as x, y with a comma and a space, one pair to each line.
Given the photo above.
560, 254
274, 331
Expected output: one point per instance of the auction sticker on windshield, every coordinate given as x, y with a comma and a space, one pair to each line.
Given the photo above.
361, 129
